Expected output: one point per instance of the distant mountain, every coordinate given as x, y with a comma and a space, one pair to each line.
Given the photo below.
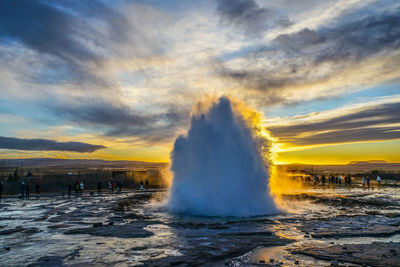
368, 162
93, 163
352, 167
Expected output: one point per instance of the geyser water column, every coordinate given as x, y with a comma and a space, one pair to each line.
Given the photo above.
218, 167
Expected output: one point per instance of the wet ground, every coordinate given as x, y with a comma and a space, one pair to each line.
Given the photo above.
342, 227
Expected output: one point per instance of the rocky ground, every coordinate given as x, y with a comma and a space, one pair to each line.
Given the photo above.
375, 254
322, 228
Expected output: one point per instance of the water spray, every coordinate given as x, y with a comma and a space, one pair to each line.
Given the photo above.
220, 167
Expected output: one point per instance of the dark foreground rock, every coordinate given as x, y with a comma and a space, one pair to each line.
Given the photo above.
134, 230
375, 254
48, 261
57, 226
29, 230
361, 226
52, 260
220, 247
362, 200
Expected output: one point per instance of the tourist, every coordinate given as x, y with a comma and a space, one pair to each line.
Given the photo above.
349, 180
368, 181
22, 190
37, 189
316, 180
120, 186
147, 184
98, 188
363, 181
141, 185
308, 180
81, 187
340, 179
1, 189
69, 189
109, 186
378, 179
76, 187
27, 190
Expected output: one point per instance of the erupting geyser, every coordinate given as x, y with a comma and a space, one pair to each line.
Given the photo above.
219, 167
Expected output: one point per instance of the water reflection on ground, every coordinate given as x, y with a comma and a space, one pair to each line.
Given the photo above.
324, 227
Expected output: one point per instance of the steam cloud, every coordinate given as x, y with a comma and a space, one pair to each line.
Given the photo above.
218, 167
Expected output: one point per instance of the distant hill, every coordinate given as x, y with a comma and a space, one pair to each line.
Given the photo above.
82, 163
368, 162
352, 167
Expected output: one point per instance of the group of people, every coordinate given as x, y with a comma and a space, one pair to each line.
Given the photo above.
25, 190
141, 185
337, 180
77, 187
366, 181
111, 187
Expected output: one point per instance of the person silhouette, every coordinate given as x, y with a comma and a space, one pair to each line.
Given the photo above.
69, 189
22, 190
141, 185
98, 188
37, 189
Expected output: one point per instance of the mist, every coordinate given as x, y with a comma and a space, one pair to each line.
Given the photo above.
219, 168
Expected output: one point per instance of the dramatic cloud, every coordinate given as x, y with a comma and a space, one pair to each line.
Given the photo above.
120, 120
354, 40
376, 122
43, 144
78, 38
359, 51
249, 16
244, 14
78, 52
43, 27
126, 73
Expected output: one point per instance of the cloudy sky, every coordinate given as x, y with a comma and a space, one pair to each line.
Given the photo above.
118, 79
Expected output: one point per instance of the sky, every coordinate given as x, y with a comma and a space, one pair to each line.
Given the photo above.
118, 79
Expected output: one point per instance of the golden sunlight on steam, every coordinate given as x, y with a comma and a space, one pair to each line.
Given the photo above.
280, 182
